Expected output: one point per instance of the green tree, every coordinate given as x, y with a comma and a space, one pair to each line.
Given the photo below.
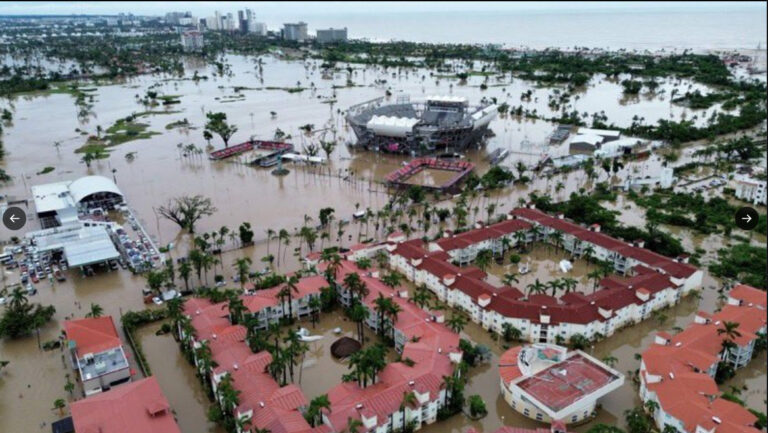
217, 123
96, 311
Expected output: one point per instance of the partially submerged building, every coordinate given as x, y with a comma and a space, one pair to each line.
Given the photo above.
60, 203
136, 407
750, 189
645, 281
420, 126
419, 336
677, 372
548, 383
96, 353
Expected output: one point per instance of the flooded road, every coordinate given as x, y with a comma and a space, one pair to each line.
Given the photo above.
151, 171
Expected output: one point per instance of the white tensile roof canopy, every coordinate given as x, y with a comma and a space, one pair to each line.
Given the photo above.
391, 126
85, 186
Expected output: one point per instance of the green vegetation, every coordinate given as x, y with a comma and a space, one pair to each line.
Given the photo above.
587, 209
693, 211
46, 170
183, 123
744, 263
20, 317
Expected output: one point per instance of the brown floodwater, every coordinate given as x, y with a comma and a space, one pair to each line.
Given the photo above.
157, 170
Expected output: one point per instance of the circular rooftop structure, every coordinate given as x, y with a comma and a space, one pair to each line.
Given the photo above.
90, 187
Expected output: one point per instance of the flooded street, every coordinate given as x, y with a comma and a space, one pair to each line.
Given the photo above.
46, 132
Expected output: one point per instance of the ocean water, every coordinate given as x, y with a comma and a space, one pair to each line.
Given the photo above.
696, 29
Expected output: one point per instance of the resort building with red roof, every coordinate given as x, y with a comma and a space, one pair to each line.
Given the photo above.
624, 299
548, 383
678, 371
139, 406
97, 354
420, 336
623, 255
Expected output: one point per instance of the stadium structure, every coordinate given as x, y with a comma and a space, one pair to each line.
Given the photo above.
423, 126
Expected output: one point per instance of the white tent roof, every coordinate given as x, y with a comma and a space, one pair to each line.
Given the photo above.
601, 132
82, 245
92, 247
447, 98
588, 138
391, 126
88, 185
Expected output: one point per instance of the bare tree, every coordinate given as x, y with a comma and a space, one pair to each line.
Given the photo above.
187, 210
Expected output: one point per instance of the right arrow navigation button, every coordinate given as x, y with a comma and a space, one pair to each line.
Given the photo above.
746, 218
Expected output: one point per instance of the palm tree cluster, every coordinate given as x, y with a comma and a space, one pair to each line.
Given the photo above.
566, 284
366, 364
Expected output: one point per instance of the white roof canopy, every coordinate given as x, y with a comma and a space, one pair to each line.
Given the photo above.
88, 185
588, 138
391, 126
601, 132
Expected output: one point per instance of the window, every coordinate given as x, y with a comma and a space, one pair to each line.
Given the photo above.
526, 412
539, 416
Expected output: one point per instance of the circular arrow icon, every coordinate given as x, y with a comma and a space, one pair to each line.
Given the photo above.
746, 218
14, 218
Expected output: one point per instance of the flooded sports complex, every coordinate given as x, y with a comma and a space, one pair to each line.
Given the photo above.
433, 216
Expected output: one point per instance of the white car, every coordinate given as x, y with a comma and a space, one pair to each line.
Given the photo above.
157, 300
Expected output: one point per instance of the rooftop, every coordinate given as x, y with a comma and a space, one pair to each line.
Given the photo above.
134, 407
565, 381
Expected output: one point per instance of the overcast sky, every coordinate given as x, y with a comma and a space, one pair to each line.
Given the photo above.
308, 9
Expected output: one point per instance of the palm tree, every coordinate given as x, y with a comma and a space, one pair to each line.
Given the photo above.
185, 269
358, 314
557, 238
242, 265
236, 310
510, 278
409, 399
381, 306
270, 236
69, 386
421, 296
595, 276
59, 404
569, 284
536, 287
229, 396
289, 289
96, 311
353, 424
393, 311
315, 304
730, 331
588, 252
510, 332
392, 279
315, 410
483, 259
555, 286
457, 322
520, 239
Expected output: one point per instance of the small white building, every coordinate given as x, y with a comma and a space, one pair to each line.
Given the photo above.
750, 189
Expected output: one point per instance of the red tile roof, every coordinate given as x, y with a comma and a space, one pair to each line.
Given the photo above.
682, 365
748, 295
430, 354
670, 266
471, 237
92, 335
138, 406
